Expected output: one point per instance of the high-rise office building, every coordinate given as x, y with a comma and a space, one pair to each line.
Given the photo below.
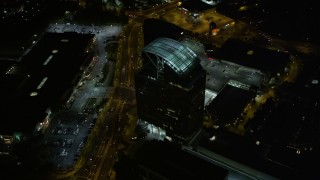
170, 88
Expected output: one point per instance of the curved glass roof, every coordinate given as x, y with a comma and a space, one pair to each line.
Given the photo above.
177, 56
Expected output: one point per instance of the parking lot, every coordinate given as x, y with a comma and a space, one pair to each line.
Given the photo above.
69, 129
67, 136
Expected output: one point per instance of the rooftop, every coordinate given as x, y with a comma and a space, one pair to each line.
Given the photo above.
42, 76
229, 103
254, 57
172, 163
180, 58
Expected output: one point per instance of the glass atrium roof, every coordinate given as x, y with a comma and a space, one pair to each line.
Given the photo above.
177, 56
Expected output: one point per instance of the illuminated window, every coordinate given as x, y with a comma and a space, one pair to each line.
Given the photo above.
33, 93
55, 51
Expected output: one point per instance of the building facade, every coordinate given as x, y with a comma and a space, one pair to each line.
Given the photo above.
170, 88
